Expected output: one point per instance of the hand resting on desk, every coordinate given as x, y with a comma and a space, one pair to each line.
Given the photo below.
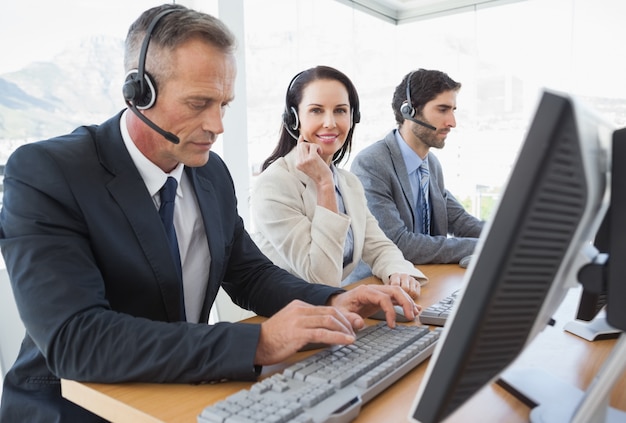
406, 282
299, 323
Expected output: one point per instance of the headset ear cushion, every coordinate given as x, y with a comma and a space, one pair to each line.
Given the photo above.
132, 87
296, 120
142, 96
290, 118
407, 110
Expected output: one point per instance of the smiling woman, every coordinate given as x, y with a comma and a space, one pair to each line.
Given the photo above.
326, 125
312, 217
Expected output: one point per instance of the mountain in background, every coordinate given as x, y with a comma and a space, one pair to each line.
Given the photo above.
82, 85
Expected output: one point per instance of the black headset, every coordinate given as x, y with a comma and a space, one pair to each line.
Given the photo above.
407, 110
291, 122
139, 90
290, 115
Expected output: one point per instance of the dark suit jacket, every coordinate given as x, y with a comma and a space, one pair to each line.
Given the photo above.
381, 169
96, 286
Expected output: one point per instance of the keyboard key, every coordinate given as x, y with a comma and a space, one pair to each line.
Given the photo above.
438, 313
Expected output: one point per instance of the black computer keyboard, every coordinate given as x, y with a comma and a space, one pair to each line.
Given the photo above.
438, 313
332, 384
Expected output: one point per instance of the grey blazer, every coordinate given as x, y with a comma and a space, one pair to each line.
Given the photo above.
454, 231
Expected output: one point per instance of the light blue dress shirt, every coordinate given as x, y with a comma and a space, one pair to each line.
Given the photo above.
412, 162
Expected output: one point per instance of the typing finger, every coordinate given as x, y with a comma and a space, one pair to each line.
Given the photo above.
367, 299
298, 324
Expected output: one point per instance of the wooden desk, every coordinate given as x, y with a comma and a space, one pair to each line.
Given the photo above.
564, 355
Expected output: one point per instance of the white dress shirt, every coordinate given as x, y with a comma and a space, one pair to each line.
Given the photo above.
195, 256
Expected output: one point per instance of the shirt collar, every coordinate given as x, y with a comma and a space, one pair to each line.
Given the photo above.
152, 175
412, 160
333, 169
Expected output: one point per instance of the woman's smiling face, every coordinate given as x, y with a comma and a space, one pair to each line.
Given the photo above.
324, 114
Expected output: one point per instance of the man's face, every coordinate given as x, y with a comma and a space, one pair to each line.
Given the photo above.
439, 113
191, 104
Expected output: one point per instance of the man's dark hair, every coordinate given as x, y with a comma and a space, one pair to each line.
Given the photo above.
424, 86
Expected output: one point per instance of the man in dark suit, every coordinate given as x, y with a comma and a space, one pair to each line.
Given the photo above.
101, 295
419, 215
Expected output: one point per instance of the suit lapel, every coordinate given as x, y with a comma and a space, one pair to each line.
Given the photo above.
397, 161
129, 191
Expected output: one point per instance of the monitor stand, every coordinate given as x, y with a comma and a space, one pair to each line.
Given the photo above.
556, 401
594, 330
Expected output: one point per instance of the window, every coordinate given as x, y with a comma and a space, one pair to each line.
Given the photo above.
69, 71
502, 55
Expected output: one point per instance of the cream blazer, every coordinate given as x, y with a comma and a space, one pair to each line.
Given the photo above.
308, 240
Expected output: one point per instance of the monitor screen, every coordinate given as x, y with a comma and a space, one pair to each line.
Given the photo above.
526, 258
616, 288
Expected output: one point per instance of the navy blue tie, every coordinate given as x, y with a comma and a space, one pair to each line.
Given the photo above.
424, 177
166, 211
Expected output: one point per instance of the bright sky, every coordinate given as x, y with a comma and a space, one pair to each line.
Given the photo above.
32, 30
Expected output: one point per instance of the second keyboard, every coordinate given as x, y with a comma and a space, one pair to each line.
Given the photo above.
438, 313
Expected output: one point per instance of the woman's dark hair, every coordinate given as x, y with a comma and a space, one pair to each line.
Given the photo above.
290, 129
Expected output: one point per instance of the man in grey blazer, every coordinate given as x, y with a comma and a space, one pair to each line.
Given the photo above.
424, 219
94, 279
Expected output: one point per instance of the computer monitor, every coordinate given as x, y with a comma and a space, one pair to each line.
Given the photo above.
590, 322
592, 301
616, 269
601, 279
528, 255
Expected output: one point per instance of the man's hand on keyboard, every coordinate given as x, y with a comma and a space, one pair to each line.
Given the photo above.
365, 300
299, 324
